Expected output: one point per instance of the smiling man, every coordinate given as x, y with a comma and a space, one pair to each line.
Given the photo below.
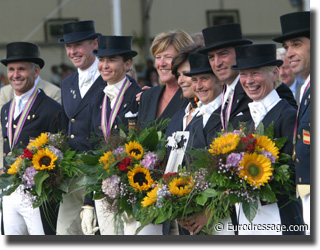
295, 39
77, 91
220, 43
28, 114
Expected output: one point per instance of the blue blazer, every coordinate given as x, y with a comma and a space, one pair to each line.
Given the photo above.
44, 116
129, 103
283, 116
149, 105
76, 113
302, 146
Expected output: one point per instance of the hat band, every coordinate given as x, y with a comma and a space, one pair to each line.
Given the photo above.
77, 36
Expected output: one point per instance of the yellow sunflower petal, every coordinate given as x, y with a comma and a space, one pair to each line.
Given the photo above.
256, 169
224, 144
15, 166
39, 141
134, 149
107, 159
181, 186
150, 198
140, 178
44, 159
265, 143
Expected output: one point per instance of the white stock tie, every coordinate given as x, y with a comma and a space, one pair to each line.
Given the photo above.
18, 107
111, 91
257, 111
85, 83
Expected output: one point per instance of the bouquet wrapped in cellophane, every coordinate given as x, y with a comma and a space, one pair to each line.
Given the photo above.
238, 167
40, 170
123, 170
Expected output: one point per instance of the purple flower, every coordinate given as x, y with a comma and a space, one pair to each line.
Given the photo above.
234, 159
269, 156
110, 186
118, 151
150, 160
28, 176
56, 151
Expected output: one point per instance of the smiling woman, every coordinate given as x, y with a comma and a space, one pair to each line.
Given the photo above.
259, 77
164, 101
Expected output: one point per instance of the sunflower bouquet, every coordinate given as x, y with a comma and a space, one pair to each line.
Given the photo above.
125, 169
237, 167
40, 170
247, 168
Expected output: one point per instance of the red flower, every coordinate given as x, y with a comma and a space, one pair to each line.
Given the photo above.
167, 176
247, 138
124, 164
27, 154
250, 148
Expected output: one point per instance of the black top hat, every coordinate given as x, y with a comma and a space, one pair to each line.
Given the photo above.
23, 52
199, 64
221, 36
294, 25
114, 45
78, 31
256, 55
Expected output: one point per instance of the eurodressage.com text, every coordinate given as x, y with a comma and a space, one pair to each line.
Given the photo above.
267, 227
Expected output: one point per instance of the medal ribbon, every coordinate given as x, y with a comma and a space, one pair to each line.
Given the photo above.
296, 124
13, 137
107, 125
226, 116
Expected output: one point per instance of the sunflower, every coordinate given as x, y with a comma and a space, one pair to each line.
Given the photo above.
39, 141
224, 144
134, 149
44, 159
265, 143
150, 198
181, 186
15, 166
140, 178
107, 159
256, 169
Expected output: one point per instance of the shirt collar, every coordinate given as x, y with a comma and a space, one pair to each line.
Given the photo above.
270, 100
211, 106
25, 96
92, 70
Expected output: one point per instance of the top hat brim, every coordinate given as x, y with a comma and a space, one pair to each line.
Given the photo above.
79, 38
293, 34
38, 61
224, 44
251, 65
199, 71
114, 52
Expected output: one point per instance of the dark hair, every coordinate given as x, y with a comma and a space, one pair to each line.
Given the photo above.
182, 56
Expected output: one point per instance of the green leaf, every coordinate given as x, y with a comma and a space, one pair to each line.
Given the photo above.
202, 198
250, 209
280, 142
233, 198
39, 178
267, 194
269, 132
161, 218
260, 129
151, 140
90, 160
